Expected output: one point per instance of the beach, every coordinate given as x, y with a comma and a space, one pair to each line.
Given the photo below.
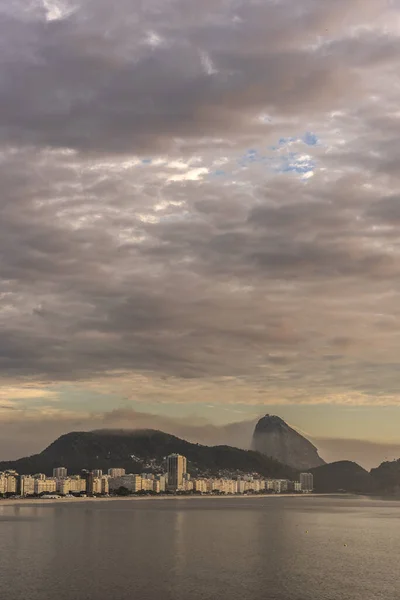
76, 500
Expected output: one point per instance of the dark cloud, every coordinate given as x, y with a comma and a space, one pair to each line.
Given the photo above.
211, 266
138, 78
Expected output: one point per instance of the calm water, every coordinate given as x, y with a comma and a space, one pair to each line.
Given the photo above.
202, 549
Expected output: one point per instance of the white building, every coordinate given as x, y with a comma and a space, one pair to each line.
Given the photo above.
60, 472
211, 485
100, 485
307, 482
45, 485
240, 486
147, 484
11, 482
277, 486
8, 482
200, 485
105, 487
116, 472
71, 485
162, 479
27, 485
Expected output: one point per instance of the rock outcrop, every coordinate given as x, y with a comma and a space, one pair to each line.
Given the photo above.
273, 437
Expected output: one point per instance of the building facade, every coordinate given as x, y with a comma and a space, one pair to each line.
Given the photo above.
8, 482
307, 482
116, 472
27, 485
176, 468
45, 486
60, 472
132, 482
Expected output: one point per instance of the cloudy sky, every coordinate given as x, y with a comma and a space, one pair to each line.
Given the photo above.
199, 215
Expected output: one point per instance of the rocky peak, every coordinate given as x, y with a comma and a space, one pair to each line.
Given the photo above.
275, 438
271, 422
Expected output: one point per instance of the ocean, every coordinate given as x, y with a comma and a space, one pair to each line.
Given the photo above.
278, 548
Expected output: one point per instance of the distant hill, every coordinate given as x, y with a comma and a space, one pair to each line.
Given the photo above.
342, 476
139, 450
273, 437
387, 477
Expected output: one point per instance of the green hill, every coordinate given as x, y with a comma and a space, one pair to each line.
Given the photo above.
342, 476
140, 450
387, 477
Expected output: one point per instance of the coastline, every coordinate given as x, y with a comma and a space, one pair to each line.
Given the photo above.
44, 502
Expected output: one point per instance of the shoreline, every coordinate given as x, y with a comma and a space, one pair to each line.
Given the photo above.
43, 502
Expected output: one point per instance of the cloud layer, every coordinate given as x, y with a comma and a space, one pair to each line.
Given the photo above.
200, 202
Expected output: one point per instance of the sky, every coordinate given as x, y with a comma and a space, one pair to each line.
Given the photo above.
199, 218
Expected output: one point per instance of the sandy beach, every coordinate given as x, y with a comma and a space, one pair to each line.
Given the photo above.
41, 501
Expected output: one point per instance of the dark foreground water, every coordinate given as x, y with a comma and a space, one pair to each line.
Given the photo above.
269, 549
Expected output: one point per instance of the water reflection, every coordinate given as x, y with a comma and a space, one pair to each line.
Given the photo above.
201, 549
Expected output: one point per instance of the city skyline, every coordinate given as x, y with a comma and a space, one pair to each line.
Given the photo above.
173, 479
199, 219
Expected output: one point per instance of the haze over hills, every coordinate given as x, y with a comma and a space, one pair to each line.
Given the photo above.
141, 450
26, 438
136, 450
273, 437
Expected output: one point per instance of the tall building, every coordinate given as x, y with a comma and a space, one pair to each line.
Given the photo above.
43, 486
27, 485
97, 485
97, 472
176, 468
11, 482
90, 484
59, 472
307, 482
104, 485
116, 472
89, 479
163, 479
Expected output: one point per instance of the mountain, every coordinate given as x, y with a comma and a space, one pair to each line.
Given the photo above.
344, 475
138, 450
387, 477
273, 437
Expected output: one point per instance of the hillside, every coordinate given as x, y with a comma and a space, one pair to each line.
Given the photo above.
387, 477
275, 438
138, 450
342, 476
